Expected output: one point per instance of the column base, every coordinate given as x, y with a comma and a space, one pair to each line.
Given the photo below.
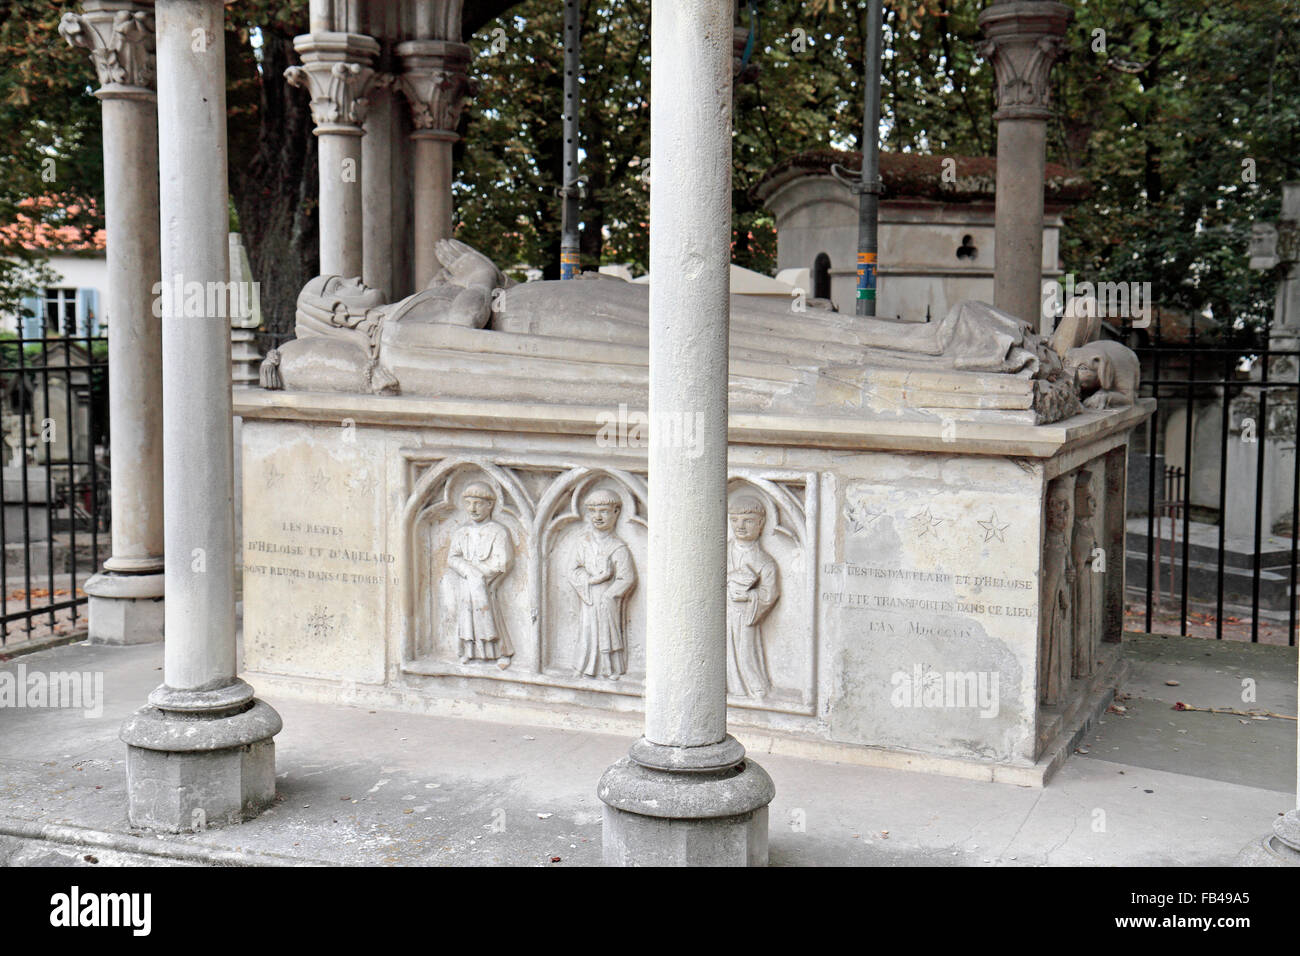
125, 608
1279, 848
188, 771
657, 817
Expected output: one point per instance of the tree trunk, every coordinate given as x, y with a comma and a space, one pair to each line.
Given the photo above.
273, 175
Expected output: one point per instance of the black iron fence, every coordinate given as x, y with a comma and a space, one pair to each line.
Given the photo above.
54, 497
1214, 487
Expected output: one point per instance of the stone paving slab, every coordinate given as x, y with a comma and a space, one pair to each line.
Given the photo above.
379, 787
1254, 751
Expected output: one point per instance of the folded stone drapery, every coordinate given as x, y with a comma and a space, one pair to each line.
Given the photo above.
471, 333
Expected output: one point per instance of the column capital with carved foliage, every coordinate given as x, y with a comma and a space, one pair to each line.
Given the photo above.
435, 80
119, 34
337, 70
1023, 39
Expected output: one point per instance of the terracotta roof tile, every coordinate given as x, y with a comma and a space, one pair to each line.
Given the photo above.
917, 176
37, 233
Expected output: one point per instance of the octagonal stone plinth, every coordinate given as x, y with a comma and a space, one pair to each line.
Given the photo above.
1279, 848
679, 818
125, 608
191, 773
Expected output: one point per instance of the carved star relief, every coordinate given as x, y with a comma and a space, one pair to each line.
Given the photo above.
320, 482
926, 522
363, 484
992, 529
861, 518
272, 476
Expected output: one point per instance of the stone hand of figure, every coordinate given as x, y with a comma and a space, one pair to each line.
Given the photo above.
472, 573
601, 574
740, 583
464, 266
738, 592
1098, 399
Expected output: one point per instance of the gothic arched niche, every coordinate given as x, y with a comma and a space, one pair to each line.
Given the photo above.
592, 536
768, 611
442, 537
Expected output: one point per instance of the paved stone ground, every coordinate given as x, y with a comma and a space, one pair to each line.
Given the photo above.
1152, 786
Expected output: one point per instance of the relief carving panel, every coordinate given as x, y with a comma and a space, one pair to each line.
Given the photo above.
532, 572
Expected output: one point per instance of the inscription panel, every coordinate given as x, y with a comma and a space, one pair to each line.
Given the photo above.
316, 566
931, 612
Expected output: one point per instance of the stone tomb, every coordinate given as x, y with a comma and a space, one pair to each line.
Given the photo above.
931, 594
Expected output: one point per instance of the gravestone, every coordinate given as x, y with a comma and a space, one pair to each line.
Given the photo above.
1272, 245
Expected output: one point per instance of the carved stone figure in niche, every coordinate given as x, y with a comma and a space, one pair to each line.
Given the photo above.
604, 575
1108, 374
480, 556
1055, 651
753, 587
1087, 585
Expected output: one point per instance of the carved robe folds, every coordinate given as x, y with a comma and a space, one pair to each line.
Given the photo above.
1087, 583
1056, 648
753, 587
603, 575
480, 556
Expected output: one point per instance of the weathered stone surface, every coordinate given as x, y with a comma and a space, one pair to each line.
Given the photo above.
1268, 851
201, 751
470, 333
351, 505
189, 773
659, 818
337, 71
125, 608
1022, 39
120, 38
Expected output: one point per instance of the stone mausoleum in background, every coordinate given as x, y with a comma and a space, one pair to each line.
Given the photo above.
936, 227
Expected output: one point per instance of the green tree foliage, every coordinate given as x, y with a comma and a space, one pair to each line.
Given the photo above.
1183, 115
1169, 118
511, 161
50, 143
1184, 118
803, 90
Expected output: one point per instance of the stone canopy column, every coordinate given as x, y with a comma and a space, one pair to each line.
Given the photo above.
200, 754
337, 69
381, 186
435, 79
686, 794
1023, 40
125, 605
